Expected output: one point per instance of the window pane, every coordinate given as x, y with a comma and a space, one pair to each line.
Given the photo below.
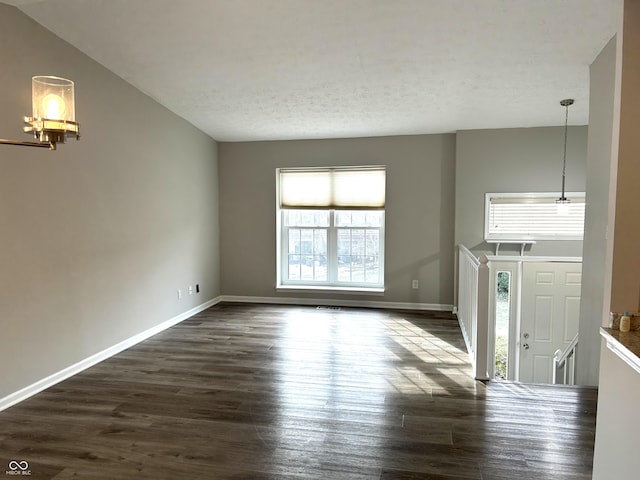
357, 242
344, 268
292, 217
372, 269
358, 219
357, 268
306, 241
374, 219
373, 242
320, 242
321, 219
307, 254
306, 267
343, 219
372, 259
344, 242
294, 267
320, 255
502, 309
359, 255
306, 218
294, 240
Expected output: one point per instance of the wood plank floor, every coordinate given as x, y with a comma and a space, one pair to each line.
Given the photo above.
276, 392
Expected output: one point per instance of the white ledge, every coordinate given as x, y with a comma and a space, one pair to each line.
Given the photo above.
327, 289
522, 243
624, 345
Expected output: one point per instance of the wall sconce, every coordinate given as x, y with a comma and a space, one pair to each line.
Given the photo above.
54, 113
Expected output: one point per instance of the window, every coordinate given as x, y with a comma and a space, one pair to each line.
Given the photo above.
331, 227
533, 216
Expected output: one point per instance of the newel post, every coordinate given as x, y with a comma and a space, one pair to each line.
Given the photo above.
482, 324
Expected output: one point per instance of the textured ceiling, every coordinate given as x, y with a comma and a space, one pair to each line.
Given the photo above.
295, 69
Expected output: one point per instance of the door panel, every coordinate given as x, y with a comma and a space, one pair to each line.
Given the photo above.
545, 278
541, 365
573, 278
542, 318
549, 316
572, 316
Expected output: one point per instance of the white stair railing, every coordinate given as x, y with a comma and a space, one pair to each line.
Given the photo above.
564, 364
473, 308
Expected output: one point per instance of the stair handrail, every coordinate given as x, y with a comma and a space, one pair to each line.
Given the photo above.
560, 358
473, 309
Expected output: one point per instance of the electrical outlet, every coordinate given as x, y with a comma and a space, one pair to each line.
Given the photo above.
179, 294
414, 284
190, 290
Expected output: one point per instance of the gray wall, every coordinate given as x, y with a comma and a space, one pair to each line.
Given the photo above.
625, 272
419, 211
98, 236
617, 422
514, 160
597, 218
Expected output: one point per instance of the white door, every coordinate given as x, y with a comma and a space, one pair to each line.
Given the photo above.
550, 312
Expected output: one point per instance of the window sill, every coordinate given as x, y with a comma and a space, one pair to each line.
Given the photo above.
326, 289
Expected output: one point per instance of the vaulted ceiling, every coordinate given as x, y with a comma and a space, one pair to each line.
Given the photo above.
295, 69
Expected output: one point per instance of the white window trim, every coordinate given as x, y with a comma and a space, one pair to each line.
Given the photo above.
523, 238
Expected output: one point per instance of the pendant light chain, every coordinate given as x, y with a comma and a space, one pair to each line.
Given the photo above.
564, 156
565, 103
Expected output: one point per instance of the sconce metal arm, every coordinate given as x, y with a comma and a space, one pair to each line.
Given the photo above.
50, 146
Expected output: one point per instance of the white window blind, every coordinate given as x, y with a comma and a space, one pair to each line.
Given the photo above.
335, 188
533, 216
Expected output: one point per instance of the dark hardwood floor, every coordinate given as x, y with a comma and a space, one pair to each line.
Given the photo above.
273, 392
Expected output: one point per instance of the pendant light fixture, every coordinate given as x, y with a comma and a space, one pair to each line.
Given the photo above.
563, 201
54, 113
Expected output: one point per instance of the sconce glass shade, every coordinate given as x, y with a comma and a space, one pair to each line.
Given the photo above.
53, 98
54, 110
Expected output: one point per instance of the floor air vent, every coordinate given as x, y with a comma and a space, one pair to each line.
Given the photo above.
320, 307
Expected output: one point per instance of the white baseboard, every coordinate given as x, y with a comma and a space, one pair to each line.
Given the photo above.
40, 385
338, 302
